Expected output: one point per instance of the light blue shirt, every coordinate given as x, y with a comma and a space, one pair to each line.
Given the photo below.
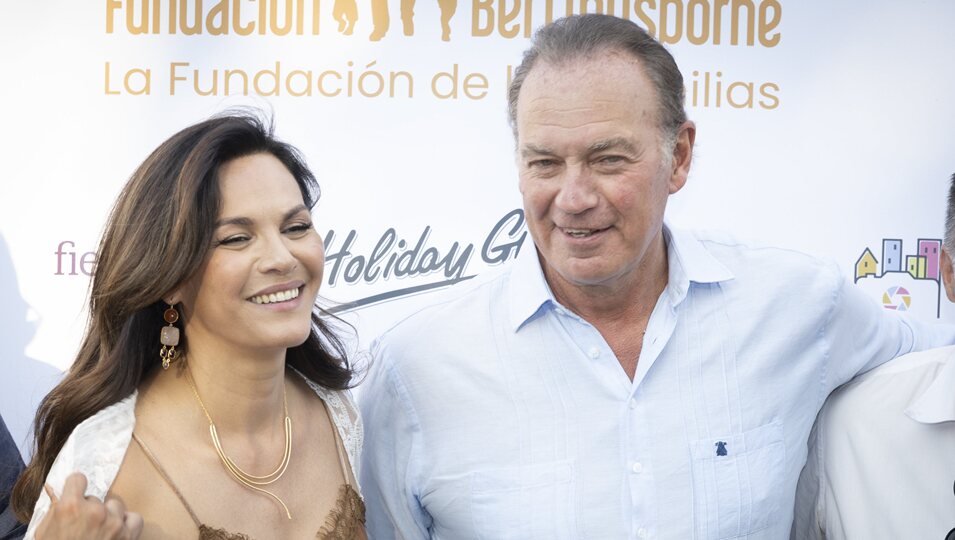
500, 414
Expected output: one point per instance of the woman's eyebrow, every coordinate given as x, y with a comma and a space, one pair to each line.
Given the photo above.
248, 222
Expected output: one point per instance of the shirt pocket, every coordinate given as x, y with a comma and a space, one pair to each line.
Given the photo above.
737, 482
524, 502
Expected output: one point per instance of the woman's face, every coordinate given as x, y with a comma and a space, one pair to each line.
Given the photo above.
258, 285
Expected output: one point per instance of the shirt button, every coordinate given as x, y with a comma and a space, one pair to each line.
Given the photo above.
637, 467
641, 532
633, 404
594, 353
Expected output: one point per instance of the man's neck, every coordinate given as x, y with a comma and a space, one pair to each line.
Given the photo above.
628, 297
619, 309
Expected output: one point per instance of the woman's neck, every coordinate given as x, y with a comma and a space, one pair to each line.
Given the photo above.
243, 393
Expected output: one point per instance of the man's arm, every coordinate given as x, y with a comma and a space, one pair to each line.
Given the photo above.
389, 463
810, 511
862, 335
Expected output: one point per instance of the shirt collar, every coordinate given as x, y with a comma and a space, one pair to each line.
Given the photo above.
528, 290
689, 261
937, 402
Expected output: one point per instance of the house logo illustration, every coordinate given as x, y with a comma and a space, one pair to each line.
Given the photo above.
920, 267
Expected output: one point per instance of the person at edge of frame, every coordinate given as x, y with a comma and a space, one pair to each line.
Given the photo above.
880, 454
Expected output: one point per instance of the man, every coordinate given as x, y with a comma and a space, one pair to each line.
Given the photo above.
624, 379
881, 453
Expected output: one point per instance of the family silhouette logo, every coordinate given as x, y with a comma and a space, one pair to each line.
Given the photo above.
907, 272
749, 23
346, 13
381, 19
265, 17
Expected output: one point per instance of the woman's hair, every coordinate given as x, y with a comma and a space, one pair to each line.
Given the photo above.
157, 236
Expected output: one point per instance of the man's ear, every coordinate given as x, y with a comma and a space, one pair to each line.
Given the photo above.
948, 279
682, 156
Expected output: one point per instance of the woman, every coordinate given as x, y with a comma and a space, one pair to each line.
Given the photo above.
208, 395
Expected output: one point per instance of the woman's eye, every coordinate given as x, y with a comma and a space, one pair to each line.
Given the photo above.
232, 240
299, 227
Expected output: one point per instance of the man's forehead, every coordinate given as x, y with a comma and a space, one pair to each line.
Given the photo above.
594, 61
586, 83
608, 86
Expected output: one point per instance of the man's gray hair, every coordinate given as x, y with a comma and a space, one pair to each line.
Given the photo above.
949, 241
581, 36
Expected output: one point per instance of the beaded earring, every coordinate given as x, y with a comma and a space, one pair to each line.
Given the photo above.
169, 337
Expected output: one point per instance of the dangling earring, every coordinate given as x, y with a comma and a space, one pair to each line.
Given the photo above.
169, 337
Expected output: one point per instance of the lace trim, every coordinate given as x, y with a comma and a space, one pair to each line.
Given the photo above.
96, 448
108, 432
346, 520
209, 533
346, 418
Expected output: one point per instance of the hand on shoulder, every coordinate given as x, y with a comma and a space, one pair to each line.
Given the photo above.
73, 515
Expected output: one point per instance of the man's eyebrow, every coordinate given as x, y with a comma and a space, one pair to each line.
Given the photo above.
616, 142
534, 150
247, 222
621, 143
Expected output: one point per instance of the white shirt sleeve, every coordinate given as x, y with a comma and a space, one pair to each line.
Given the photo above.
390, 467
810, 510
862, 335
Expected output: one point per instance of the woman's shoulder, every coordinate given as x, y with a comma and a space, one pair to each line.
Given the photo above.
96, 448
344, 413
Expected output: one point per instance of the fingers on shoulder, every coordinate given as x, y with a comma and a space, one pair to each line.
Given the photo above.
134, 524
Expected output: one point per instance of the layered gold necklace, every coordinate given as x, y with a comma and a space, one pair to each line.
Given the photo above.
250, 481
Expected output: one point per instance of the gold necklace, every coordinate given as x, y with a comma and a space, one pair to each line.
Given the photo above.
250, 481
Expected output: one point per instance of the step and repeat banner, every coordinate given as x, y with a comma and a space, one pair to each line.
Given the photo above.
823, 126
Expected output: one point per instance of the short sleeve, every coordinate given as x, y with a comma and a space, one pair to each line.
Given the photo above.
862, 335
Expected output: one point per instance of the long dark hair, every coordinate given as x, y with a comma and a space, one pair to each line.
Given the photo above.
157, 237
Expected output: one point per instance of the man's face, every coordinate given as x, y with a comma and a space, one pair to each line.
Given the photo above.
593, 172
948, 274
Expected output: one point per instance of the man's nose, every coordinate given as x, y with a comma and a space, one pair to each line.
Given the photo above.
578, 191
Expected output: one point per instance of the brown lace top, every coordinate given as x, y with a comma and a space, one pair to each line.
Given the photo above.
346, 521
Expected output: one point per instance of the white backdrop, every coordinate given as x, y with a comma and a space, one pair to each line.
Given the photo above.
827, 127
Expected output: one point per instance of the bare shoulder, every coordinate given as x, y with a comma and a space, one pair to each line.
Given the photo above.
140, 483
143, 490
151, 474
